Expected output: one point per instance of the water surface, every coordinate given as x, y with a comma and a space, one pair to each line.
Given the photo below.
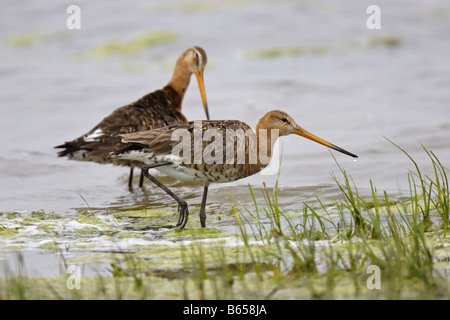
315, 59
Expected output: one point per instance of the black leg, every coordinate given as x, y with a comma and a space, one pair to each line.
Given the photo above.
141, 179
182, 205
202, 208
130, 179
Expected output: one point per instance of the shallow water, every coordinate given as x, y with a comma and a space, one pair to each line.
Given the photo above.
315, 59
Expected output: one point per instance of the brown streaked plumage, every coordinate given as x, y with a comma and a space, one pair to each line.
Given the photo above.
250, 152
156, 109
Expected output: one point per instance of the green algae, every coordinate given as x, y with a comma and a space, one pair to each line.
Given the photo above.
88, 231
134, 46
49, 227
198, 233
145, 224
144, 213
387, 41
6, 232
279, 52
144, 219
50, 245
93, 220
275, 52
100, 257
440, 13
168, 260
26, 40
199, 6
129, 235
12, 215
40, 214
370, 203
16, 247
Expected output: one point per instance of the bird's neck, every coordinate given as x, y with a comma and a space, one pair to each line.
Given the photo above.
180, 79
265, 141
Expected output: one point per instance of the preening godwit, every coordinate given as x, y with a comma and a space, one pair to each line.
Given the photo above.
154, 110
214, 151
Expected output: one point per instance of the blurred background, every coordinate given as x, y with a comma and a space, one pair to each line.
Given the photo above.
317, 60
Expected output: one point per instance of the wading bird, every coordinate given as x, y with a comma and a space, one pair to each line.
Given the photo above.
154, 110
233, 159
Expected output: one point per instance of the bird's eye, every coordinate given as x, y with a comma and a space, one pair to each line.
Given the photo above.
284, 120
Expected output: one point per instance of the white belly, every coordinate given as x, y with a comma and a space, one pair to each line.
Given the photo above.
185, 174
177, 170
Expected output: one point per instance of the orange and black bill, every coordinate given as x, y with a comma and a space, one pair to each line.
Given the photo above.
301, 132
201, 85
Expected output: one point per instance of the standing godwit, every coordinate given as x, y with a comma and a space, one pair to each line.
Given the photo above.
154, 110
228, 160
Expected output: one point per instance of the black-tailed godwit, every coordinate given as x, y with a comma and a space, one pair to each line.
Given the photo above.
154, 110
210, 151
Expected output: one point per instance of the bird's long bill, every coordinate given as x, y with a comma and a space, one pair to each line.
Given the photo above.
201, 85
301, 132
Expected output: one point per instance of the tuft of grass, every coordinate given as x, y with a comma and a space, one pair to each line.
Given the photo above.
381, 232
